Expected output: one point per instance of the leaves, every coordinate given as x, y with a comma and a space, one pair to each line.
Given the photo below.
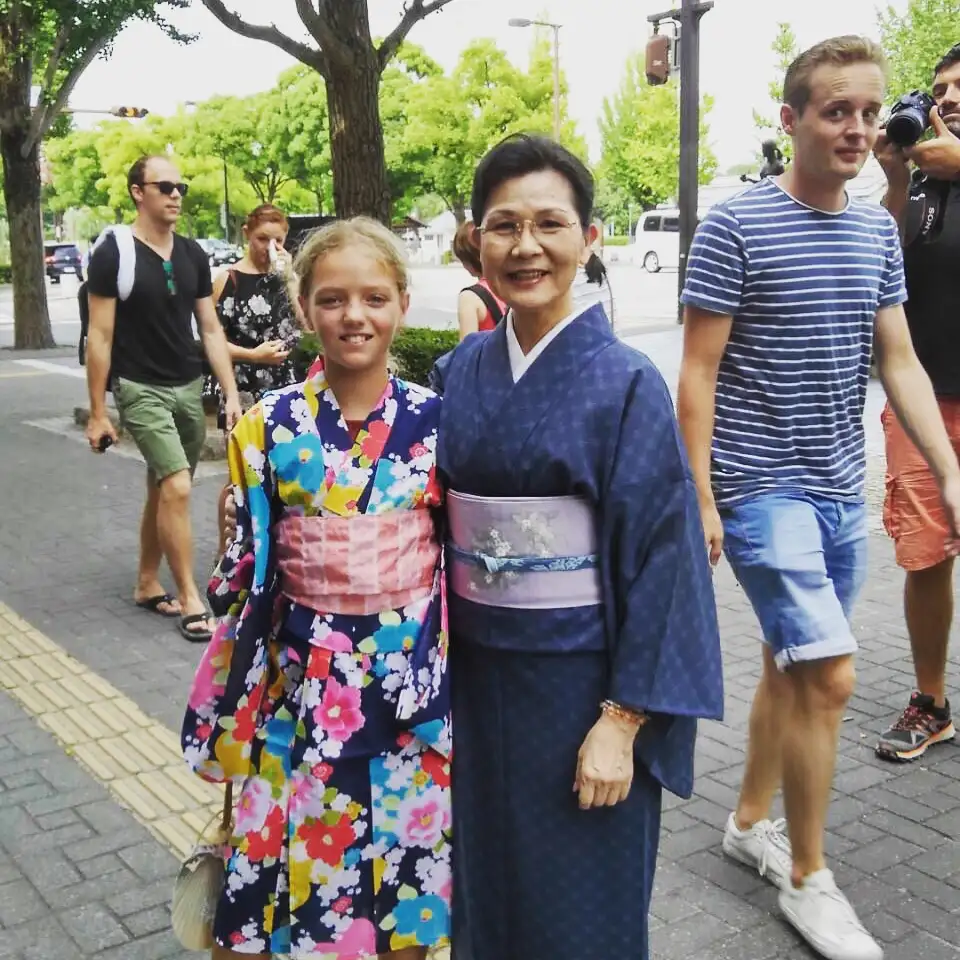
915, 40
640, 133
452, 121
785, 50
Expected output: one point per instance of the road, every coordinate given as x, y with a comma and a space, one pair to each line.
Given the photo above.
642, 301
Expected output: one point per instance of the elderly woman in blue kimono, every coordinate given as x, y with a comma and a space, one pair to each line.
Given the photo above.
583, 632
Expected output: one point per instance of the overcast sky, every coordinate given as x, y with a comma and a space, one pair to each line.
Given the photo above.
148, 70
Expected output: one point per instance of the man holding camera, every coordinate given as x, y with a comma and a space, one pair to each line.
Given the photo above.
927, 209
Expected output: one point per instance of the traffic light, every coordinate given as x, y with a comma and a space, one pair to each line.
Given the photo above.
135, 112
658, 59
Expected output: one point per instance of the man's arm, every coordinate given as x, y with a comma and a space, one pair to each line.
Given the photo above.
705, 337
911, 394
103, 313
218, 355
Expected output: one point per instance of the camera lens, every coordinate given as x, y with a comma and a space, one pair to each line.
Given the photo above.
906, 127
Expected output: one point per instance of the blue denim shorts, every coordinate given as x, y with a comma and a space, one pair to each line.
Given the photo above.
801, 559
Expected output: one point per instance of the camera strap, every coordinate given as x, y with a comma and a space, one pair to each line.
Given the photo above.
928, 199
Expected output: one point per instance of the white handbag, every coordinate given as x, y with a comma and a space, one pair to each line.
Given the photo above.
199, 884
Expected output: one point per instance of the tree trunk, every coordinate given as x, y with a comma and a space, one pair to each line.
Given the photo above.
21, 191
360, 184
460, 211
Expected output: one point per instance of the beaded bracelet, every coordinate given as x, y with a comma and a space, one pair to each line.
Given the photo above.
636, 717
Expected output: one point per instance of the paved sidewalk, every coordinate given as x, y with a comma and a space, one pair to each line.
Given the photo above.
67, 549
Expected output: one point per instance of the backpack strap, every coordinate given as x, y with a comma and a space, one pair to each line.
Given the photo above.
489, 301
127, 268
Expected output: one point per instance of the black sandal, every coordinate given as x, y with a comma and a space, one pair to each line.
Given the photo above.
153, 604
194, 636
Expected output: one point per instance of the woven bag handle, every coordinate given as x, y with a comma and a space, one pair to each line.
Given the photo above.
227, 817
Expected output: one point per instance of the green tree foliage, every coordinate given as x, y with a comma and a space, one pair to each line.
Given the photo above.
452, 121
785, 51
49, 43
916, 39
640, 134
343, 52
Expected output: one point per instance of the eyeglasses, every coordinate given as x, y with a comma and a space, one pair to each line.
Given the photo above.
510, 231
166, 187
171, 279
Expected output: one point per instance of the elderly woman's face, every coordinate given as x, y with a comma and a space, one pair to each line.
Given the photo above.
532, 242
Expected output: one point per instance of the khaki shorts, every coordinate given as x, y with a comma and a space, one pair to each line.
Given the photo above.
913, 512
167, 424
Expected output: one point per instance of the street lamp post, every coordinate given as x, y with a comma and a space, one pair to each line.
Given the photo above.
555, 27
688, 17
192, 105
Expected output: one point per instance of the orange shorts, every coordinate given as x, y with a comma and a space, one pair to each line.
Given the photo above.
912, 512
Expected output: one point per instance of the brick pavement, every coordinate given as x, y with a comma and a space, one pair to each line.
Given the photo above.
68, 538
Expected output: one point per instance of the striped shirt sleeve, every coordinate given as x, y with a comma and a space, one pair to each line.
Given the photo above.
893, 287
717, 265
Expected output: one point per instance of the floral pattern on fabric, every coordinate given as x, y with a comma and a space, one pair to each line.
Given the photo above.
336, 726
253, 309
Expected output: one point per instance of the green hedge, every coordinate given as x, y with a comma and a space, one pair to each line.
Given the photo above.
616, 241
6, 273
415, 350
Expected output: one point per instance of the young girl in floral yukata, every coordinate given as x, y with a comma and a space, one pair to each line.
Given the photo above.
323, 692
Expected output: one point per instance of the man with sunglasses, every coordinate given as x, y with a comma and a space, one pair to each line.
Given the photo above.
141, 345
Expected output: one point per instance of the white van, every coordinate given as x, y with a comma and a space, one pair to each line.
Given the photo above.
656, 242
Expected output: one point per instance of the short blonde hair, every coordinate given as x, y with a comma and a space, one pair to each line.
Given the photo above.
363, 231
835, 52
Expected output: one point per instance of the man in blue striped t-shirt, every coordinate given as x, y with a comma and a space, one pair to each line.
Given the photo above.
789, 285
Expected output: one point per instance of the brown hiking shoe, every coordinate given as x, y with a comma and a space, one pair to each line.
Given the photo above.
920, 726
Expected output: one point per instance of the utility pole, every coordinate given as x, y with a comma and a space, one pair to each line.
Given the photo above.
687, 19
555, 27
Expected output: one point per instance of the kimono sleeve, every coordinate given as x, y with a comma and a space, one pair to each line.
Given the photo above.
665, 641
244, 562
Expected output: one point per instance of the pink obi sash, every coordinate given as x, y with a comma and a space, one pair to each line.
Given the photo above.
357, 565
533, 553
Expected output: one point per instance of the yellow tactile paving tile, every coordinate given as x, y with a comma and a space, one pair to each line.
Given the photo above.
137, 759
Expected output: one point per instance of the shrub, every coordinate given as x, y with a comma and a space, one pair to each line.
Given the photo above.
415, 350
616, 241
6, 273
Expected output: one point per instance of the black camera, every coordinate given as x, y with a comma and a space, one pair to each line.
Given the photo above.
909, 118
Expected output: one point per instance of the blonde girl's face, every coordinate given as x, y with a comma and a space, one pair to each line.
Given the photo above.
355, 306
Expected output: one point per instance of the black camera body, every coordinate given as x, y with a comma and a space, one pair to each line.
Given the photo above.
909, 118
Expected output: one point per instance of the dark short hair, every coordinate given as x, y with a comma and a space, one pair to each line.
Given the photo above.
523, 153
951, 57
137, 174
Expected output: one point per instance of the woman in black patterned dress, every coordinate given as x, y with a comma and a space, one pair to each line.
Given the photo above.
259, 313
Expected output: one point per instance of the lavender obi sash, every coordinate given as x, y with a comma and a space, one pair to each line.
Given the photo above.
357, 565
535, 553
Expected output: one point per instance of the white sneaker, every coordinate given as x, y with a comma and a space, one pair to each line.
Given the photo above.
822, 915
764, 847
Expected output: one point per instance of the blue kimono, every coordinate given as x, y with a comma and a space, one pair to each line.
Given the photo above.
535, 877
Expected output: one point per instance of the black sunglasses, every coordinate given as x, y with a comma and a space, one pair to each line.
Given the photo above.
166, 187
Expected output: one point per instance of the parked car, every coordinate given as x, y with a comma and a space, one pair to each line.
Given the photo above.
219, 252
656, 243
61, 258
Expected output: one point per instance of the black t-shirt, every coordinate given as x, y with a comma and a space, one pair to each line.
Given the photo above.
153, 340
933, 308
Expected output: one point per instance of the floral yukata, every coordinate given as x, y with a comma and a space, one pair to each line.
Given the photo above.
336, 724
